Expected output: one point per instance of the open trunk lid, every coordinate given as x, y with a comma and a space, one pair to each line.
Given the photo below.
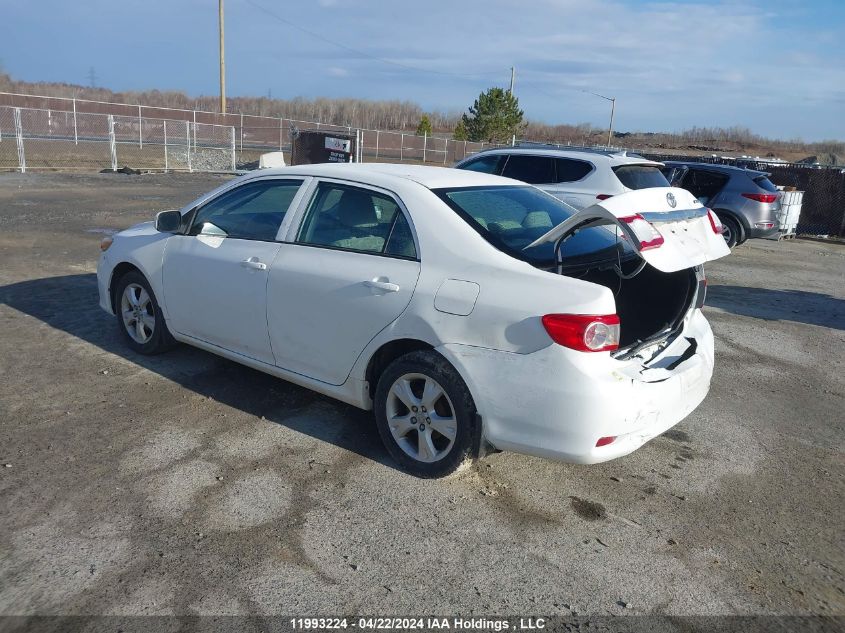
667, 226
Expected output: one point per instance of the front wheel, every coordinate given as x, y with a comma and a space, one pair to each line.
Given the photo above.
425, 415
139, 317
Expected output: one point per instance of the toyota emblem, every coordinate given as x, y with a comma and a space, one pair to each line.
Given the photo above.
670, 198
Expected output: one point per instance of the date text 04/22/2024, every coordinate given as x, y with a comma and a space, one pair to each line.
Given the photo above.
421, 623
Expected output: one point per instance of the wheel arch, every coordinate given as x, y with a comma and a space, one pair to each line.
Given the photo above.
744, 227
117, 273
386, 354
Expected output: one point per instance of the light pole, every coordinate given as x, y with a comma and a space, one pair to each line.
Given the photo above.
222, 61
612, 112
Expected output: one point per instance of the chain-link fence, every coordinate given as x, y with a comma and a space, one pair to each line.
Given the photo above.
53, 139
138, 126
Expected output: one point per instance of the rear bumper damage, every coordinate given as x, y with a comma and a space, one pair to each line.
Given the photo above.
557, 403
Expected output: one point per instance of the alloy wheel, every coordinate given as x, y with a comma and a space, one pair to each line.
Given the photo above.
138, 312
421, 417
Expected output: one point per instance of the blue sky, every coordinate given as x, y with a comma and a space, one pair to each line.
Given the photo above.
775, 66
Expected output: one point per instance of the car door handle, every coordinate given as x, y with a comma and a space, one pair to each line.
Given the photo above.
381, 283
253, 263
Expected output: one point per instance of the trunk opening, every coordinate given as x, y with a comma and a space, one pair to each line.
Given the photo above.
650, 302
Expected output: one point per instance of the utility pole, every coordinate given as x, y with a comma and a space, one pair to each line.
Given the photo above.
513, 77
610, 129
612, 111
92, 77
222, 61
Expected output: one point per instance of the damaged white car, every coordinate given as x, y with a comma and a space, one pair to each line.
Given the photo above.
469, 311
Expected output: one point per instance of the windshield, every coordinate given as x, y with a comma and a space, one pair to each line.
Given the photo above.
511, 217
640, 176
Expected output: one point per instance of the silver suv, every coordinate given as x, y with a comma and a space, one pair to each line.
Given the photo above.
745, 200
579, 177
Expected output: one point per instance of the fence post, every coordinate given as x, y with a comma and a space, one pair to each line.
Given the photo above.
19, 138
75, 136
165, 145
234, 160
140, 132
465, 149
195, 130
376, 144
242, 132
401, 146
188, 139
112, 143
280, 134
425, 142
445, 149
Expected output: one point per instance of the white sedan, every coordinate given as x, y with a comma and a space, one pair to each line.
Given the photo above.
472, 312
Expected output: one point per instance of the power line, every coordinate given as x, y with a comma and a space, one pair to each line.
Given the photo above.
364, 54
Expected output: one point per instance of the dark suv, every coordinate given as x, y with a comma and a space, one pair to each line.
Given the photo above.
745, 200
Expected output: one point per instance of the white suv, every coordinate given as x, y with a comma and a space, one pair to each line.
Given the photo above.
579, 177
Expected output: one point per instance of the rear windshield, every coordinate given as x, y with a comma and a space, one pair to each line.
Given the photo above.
640, 176
765, 183
511, 217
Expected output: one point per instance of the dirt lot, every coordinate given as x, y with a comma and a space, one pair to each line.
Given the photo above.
188, 484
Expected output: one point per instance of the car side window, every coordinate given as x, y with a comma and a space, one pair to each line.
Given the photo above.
486, 164
570, 170
253, 211
355, 219
534, 170
704, 184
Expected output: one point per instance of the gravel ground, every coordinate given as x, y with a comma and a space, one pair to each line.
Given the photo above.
187, 484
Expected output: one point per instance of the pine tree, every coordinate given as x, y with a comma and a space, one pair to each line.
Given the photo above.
424, 128
460, 133
494, 117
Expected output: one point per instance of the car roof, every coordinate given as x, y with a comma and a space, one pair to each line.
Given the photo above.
612, 157
716, 167
386, 174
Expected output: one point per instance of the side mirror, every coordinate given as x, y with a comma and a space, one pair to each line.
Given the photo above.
168, 221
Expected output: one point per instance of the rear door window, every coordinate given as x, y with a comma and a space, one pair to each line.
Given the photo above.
640, 176
571, 170
356, 219
486, 164
535, 170
704, 184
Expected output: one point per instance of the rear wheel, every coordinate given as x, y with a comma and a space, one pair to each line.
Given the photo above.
731, 233
425, 415
139, 317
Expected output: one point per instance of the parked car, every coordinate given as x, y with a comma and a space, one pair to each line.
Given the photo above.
745, 200
469, 310
579, 177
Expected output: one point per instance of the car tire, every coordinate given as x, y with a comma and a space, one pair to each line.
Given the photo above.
139, 316
409, 391
732, 232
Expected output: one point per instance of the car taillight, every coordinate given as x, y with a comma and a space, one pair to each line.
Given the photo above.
648, 236
604, 441
584, 332
761, 197
604, 196
715, 222
764, 225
